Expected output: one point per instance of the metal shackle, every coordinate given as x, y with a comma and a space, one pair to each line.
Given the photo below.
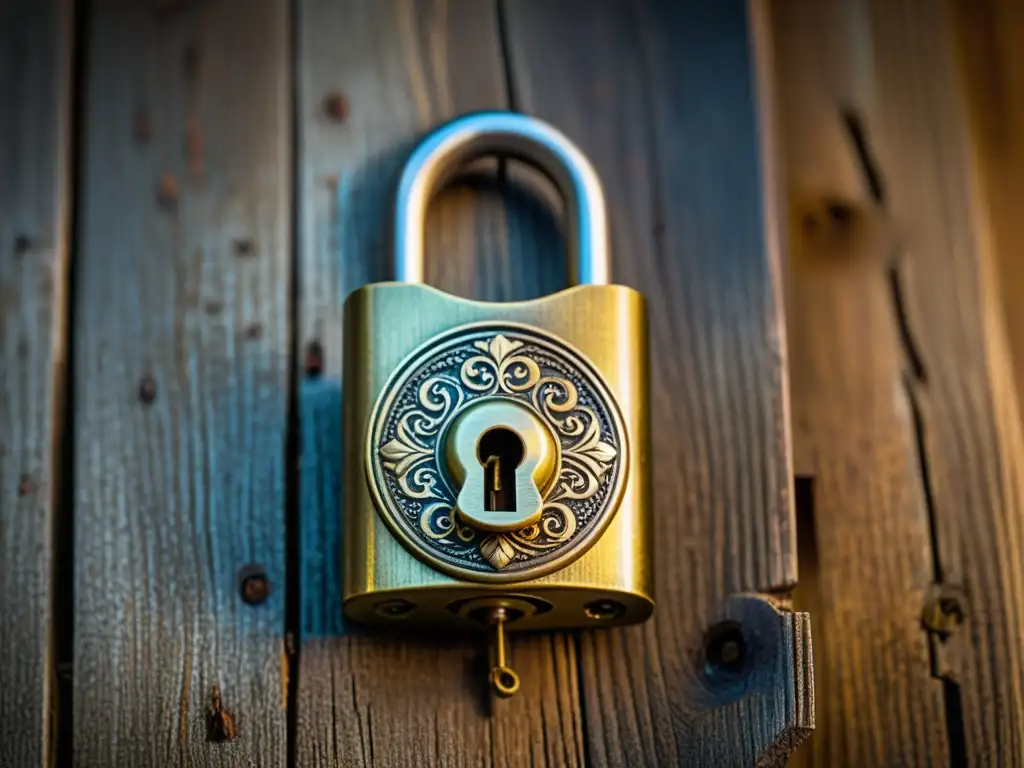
440, 155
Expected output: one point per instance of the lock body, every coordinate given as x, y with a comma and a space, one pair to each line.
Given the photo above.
408, 556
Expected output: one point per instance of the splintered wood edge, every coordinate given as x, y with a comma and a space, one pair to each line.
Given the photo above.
792, 692
797, 635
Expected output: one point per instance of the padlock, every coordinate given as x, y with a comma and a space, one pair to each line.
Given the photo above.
497, 454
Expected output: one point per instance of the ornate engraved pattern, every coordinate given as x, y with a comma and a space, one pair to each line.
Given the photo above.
405, 452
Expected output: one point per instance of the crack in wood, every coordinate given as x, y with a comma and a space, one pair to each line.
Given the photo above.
915, 377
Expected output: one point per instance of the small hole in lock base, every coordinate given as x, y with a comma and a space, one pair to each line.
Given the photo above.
500, 450
604, 610
395, 609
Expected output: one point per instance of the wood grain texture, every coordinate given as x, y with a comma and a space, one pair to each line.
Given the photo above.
181, 363
903, 392
853, 424
661, 97
401, 68
993, 62
35, 120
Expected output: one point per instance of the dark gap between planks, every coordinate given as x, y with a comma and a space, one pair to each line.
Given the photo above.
293, 437
63, 575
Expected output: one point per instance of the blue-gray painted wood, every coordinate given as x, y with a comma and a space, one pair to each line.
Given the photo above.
181, 373
35, 120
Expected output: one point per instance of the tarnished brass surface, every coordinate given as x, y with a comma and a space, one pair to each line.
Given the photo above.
386, 323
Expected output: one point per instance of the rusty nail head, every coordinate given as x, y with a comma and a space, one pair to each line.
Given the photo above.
255, 587
336, 106
314, 359
26, 485
244, 246
147, 389
167, 192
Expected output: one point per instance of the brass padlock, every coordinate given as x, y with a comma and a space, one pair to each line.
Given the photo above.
497, 468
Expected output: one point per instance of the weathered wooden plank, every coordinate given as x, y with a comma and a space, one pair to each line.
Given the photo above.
373, 76
902, 288
989, 36
661, 97
853, 424
35, 120
181, 362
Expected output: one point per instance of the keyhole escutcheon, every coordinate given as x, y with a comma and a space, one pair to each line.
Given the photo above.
501, 457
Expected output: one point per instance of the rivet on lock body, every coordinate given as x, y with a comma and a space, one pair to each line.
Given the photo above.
497, 460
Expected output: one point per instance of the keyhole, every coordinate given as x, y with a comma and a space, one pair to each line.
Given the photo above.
500, 451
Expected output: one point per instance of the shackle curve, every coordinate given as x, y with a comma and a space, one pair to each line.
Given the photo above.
441, 154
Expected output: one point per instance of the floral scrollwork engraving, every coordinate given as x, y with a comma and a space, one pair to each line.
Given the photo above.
407, 437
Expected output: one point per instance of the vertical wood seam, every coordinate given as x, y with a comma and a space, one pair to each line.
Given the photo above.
61, 644
293, 415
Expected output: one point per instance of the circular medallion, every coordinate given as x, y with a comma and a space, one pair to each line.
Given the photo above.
405, 450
